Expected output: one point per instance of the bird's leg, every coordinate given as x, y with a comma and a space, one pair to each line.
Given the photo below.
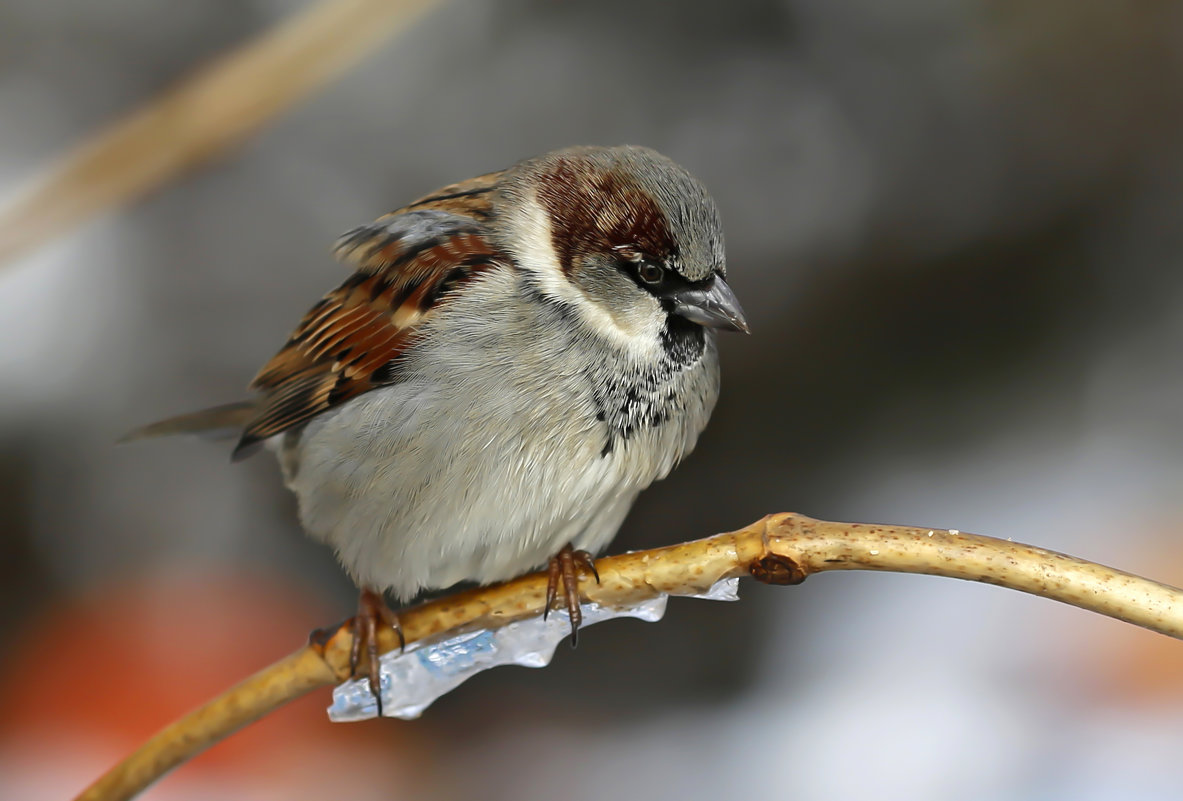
372, 611
564, 567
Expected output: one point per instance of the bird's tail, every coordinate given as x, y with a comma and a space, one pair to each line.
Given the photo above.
220, 422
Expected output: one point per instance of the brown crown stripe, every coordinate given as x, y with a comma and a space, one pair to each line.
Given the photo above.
593, 210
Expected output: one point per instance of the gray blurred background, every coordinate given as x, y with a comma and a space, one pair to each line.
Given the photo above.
954, 227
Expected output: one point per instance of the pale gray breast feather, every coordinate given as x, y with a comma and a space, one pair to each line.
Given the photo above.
490, 342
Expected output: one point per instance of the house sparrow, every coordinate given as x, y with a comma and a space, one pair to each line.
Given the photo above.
513, 360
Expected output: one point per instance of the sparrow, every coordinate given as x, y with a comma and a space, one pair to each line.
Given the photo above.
513, 360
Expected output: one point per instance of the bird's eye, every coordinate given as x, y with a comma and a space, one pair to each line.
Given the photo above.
650, 273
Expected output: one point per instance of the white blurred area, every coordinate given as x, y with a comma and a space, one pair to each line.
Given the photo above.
954, 226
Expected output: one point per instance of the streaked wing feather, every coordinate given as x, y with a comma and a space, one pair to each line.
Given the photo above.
407, 263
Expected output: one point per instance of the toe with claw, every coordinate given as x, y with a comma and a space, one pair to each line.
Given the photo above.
372, 612
564, 568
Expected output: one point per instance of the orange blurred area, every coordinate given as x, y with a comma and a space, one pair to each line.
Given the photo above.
97, 674
1132, 668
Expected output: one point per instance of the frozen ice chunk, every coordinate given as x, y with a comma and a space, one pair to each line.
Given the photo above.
413, 679
722, 590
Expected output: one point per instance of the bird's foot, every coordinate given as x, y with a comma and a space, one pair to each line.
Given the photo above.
564, 567
372, 611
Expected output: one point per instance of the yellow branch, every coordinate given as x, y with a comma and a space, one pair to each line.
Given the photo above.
780, 549
201, 118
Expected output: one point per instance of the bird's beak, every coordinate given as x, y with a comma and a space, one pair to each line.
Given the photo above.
714, 306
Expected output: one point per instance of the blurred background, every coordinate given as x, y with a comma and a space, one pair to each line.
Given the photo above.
954, 227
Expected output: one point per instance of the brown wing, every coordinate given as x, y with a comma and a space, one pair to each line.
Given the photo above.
407, 263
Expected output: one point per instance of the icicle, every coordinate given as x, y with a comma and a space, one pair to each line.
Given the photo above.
413, 679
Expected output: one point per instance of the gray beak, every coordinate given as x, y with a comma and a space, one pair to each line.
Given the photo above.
714, 307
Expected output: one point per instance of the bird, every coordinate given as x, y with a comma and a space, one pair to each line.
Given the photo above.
513, 359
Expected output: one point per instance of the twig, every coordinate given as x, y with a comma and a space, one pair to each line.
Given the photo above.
215, 109
780, 549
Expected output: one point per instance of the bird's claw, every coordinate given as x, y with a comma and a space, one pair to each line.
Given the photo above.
564, 567
371, 610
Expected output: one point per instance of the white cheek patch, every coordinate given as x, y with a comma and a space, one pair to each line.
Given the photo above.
536, 255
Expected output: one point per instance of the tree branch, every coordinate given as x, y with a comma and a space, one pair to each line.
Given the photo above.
215, 109
780, 549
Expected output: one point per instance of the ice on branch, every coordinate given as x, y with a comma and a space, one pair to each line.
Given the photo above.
413, 679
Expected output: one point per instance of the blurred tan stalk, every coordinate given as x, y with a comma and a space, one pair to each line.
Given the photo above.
780, 549
215, 109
